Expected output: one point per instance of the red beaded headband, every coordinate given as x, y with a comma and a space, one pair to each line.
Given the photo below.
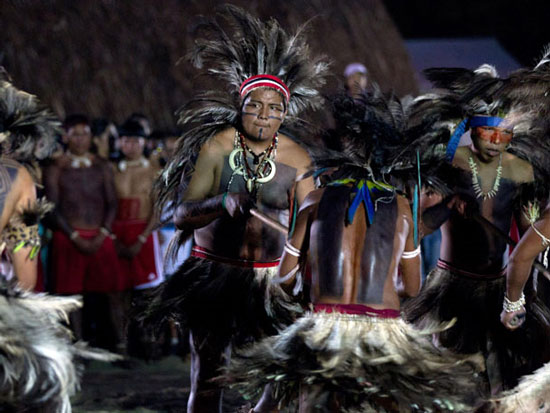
270, 81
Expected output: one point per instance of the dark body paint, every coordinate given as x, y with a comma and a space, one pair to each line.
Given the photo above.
247, 237
330, 250
477, 248
78, 184
8, 174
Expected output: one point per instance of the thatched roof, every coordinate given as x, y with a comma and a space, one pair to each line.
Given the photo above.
110, 58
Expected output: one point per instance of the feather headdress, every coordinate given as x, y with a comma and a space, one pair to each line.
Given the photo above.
234, 47
374, 132
522, 100
27, 129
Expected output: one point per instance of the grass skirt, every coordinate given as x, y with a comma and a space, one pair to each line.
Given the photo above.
361, 359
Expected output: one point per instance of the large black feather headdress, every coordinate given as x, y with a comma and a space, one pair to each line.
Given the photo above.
27, 129
522, 99
233, 47
375, 132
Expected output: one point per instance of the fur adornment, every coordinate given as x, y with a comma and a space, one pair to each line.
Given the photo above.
531, 395
27, 129
22, 228
236, 46
360, 359
38, 361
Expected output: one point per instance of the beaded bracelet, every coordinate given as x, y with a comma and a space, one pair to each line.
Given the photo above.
512, 306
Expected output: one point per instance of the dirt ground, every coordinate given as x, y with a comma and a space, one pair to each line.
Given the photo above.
156, 387
160, 386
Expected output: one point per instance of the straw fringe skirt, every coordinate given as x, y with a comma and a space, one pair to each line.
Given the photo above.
360, 359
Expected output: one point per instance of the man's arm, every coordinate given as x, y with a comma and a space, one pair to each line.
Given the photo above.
435, 214
51, 188
303, 162
294, 253
201, 205
409, 284
110, 196
519, 267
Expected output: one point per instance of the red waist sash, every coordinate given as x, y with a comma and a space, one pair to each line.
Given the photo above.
203, 253
357, 309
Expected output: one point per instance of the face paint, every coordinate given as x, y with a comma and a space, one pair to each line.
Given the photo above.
262, 114
494, 134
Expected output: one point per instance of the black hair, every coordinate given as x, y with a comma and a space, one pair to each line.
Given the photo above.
75, 119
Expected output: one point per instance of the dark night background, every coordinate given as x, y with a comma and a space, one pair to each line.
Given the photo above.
522, 27
109, 58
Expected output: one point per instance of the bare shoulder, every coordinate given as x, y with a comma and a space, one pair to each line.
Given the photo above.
462, 154
519, 169
60, 162
403, 207
219, 144
313, 198
294, 154
104, 164
24, 176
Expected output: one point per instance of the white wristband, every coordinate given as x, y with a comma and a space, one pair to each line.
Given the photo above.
513, 306
292, 250
407, 255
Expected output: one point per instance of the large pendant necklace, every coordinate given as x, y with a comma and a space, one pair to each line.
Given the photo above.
476, 183
263, 169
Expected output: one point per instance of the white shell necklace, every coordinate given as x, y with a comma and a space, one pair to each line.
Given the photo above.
476, 182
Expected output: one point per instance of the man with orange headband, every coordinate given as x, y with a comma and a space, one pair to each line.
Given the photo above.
232, 158
469, 279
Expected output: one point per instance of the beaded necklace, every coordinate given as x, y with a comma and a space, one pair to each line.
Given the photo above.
476, 182
264, 169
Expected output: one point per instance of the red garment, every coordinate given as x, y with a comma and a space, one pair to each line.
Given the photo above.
144, 270
206, 254
75, 272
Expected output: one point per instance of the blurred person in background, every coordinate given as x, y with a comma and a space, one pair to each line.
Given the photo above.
84, 259
137, 243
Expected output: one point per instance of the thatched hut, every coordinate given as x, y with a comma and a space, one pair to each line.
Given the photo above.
110, 58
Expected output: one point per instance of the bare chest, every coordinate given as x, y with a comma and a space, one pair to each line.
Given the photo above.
134, 182
77, 182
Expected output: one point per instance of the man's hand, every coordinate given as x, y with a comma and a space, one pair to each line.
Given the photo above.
513, 320
238, 204
89, 246
128, 251
465, 205
133, 250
